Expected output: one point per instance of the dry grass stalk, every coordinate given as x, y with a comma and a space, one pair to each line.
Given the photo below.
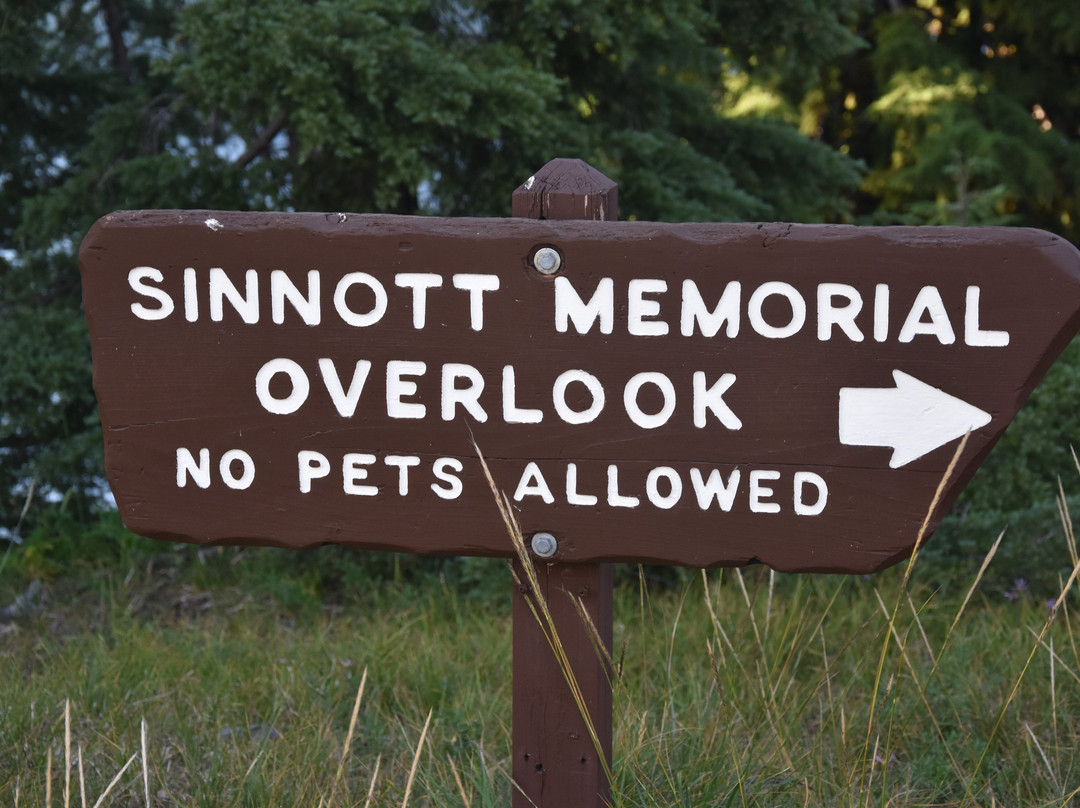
866, 801
67, 753
1042, 754
538, 605
348, 737
1053, 692
461, 786
371, 785
597, 642
416, 759
82, 779
114, 781
145, 764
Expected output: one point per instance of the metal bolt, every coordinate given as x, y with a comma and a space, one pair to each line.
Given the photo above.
544, 545
547, 260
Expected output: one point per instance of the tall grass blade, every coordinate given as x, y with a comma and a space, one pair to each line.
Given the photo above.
254, 763
902, 645
1054, 655
1020, 677
749, 608
922, 631
1066, 522
1042, 754
1068, 800
920, 536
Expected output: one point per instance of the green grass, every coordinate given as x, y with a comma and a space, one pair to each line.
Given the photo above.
734, 689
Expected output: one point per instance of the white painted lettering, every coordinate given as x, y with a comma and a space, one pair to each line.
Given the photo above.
186, 466
476, 285
757, 303
708, 399
715, 488
881, 312
344, 402
803, 479
533, 484
246, 478
928, 301
973, 335
378, 307
442, 469
191, 295
398, 387
759, 492
297, 378
307, 306
419, 282
562, 408
137, 278
246, 305
403, 463
353, 471
614, 498
572, 495
312, 466
512, 414
709, 322
674, 485
630, 402
468, 397
842, 315
640, 311
569, 307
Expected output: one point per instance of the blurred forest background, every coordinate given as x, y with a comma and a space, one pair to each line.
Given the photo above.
886, 112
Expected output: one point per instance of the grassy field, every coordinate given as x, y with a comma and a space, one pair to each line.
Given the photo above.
733, 689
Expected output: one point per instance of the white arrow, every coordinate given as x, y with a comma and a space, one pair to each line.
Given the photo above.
913, 418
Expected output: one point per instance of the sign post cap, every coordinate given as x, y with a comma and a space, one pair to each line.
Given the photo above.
567, 189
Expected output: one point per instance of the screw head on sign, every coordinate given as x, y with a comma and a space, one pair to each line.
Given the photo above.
544, 545
547, 260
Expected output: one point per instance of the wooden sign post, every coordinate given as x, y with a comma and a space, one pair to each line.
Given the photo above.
558, 759
692, 394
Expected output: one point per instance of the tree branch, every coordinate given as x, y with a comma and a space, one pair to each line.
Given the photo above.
114, 23
262, 142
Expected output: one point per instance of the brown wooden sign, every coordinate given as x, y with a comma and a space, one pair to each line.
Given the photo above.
693, 394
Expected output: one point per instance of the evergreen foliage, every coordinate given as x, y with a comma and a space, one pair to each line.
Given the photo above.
895, 111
